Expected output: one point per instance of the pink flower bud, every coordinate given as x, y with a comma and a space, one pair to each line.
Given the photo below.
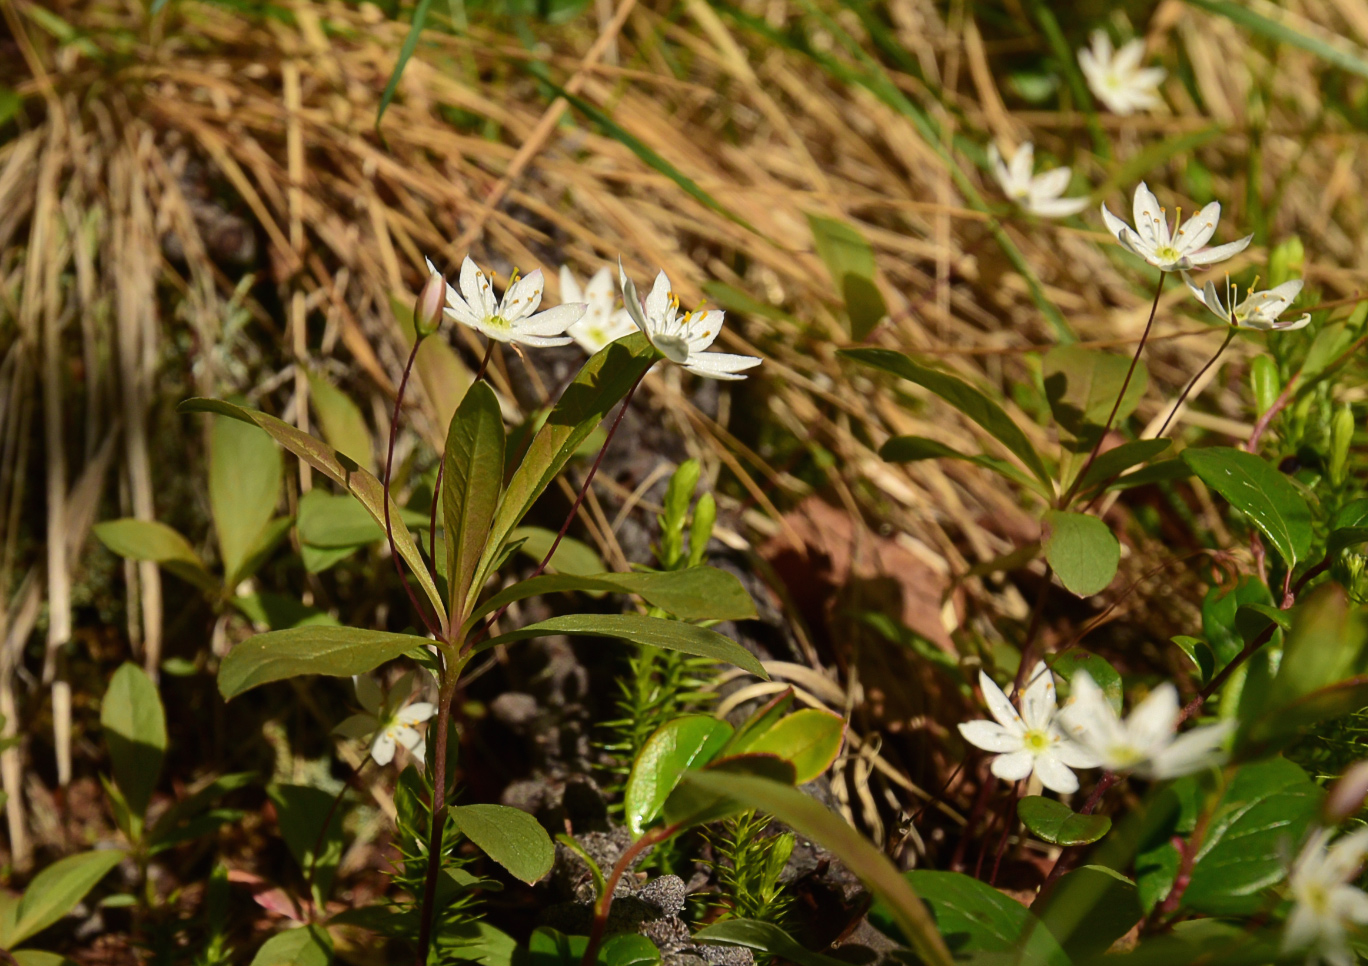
427, 311
1347, 795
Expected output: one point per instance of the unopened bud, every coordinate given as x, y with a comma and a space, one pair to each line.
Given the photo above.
1341, 435
1263, 379
1346, 796
427, 311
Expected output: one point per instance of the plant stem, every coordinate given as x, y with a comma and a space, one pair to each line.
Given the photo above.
1032, 630
327, 820
389, 466
446, 694
605, 900
1230, 335
574, 510
1116, 406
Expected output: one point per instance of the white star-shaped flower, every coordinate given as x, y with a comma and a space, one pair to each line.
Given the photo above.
600, 324
1038, 194
1030, 741
1146, 743
514, 318
1258, 310
1116, 77
682, 339
1178, 251
387, 721
1325, 906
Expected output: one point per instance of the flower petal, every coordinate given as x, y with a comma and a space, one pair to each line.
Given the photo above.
1220, 253
990, 736
553, 321
382, 749
1013, 767
1051, 184
721, 365
1023, 164
1149, 216
1054, 775
998, 704
521, 298
1152, 722
1114, 224
705, 329
416, 713
658, 302
1197, 230
569, 288
1057, 207
1038, 700
1197, 750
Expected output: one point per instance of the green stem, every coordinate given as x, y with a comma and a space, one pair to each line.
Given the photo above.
451, 670
1230, 335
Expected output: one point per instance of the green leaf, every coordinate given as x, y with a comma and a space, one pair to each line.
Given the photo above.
809, 739
420, 12
173, 823
1257, 489
300, 813
343, 470
1282, 33
600, 385
305, 946
1068, 663
1259, 823
1082, 550
335, 651
270, 537
761, 720
281, 611
1200, 654
55, 891
977, 921
628, 949
963, 397
1082, 384
550, 947
850, 260
1219, 608
690, 804
571, 557
1089, 909
1115, 461
244, 484
1056, 823
10, 102
1164, 471
37, 957
764, 938
808, 817
675, 747
697, 593
640, 629
150, 540
340, 419
470, 490
911, 449
509, 836
134, 726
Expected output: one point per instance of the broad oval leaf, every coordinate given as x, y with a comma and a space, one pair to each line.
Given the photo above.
55, 891
808, 817
474, 462
134, 726
697, 593
334, 651
1068, 663
1257, 489
245, 472
1082, 550
600, 385
509, 836
628, 949
761, 720
343, 470
963, 397
305, 946
341, 421
150, 540
978, 922
765, 938
1082, 384
675, 747
640, 629
1260, 821
690, 805
1056, 823
809, 739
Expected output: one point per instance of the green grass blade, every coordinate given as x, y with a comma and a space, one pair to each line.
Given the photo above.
420, 13
1281, 33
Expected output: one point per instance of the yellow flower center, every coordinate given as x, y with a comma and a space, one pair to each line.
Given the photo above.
1036, 742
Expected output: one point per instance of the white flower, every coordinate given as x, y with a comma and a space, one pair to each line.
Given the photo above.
515, 318
1176, 252
1259, 310
1325, 905
1038, 194
1146, 743
600, 324
387, 722
1116, 77
1030, 741
682, 339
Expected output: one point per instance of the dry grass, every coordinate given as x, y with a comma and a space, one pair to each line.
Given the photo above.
231, 131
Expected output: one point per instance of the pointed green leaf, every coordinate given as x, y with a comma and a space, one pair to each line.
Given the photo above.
1089, 909
244, 485
339, 469
150, 540
686, 742
340, 419
809, 739
640, 629
305, 946
690, 804
1257, 489
849, 259
571, 557
1082, 550
764, 938
910, 449
963, 397
1115, 461
301, 811
470, 489
55, 891
134, 726
509, 836
334, 651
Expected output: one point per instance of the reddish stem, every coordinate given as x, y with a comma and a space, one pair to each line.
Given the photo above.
445, 696
605, 901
